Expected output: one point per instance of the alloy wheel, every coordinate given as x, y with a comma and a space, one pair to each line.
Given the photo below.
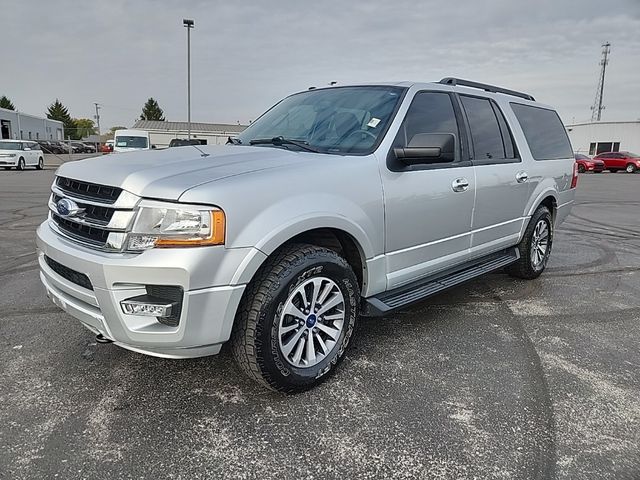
311, 322
540, 244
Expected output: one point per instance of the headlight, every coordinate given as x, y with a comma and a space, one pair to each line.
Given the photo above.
176, 227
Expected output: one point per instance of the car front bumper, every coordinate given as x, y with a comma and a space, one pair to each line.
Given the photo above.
205, 274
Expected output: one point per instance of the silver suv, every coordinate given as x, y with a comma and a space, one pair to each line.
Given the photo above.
337, 202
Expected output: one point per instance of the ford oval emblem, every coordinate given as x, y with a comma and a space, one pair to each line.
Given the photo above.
68, 208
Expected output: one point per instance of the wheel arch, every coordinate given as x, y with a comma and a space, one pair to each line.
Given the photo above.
343, 241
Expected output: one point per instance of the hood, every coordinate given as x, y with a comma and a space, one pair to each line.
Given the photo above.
167, 174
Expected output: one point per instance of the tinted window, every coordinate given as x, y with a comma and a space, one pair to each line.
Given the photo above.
485, 130
429, 112
544, 132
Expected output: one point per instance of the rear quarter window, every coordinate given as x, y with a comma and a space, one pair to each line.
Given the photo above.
544, 132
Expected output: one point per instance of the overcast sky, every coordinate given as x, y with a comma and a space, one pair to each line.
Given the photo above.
248, 54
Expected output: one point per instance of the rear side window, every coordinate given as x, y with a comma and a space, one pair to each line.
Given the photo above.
489, 132
544, 132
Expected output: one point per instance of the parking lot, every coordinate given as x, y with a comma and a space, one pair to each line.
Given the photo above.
499, 378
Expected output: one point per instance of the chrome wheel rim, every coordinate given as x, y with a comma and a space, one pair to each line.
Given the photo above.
539, 244
311, 322
629, 168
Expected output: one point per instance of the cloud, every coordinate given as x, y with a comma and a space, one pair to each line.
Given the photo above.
247, 55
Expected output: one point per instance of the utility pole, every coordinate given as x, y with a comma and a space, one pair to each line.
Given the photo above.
596, 109
189, 24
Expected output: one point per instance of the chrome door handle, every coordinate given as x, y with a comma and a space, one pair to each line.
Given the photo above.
460, 184
522, 177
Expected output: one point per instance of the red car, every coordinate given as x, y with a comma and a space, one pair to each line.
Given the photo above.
615, 161
586, 164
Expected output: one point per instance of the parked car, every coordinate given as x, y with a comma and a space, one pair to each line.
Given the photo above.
107, 147
49, 147
616, 161
21, 154
587, 164
181, 142
63, 147
363, 200
89, 147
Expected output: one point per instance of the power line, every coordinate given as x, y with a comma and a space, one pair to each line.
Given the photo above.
597, 107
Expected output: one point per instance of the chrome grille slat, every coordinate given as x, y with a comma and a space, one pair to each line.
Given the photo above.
104, 219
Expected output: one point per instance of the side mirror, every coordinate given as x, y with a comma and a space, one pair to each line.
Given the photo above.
427, 148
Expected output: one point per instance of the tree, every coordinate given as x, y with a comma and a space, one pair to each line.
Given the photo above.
6, 103
84, 127
57, 111
113, 129
152, 111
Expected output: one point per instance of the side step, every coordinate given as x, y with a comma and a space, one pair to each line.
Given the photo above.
386, 302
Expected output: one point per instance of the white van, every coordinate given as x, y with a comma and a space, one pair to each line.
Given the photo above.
131, 140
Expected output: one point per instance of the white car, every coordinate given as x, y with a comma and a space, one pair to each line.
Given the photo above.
20, 154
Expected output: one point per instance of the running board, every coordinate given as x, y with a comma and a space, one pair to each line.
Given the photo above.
387, 302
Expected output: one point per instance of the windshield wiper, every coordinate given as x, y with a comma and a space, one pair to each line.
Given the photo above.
279, 141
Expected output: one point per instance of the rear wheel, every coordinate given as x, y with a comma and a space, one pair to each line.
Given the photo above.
581, 168
20, 164
631, 168
40, 165
535, 246
296, 318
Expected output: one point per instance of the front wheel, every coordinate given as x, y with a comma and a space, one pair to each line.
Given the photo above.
296, 318
20, 164
631, 168
535, 246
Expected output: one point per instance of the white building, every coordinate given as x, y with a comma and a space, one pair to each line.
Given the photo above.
596, 137
161, 133
22, 126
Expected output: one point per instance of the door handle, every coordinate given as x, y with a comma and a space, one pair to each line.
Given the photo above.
522, 177
460, 184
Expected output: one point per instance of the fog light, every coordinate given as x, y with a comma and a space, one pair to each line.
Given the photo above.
148, 306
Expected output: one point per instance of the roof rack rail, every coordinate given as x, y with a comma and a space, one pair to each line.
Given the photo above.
483, 86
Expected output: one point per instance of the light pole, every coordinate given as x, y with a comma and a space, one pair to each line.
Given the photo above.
188, 25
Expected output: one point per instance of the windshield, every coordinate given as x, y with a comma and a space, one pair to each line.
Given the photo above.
131, 142
333, 120
632, 155
10, 146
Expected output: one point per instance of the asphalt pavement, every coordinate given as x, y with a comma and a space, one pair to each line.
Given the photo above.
496, 379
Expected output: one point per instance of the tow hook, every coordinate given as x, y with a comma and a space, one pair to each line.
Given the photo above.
102, 339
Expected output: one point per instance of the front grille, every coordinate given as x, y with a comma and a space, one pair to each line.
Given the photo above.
93, 213
88, 191
172, 294
93, 235
65, 272
104, 214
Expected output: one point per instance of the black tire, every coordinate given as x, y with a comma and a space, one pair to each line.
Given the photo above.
254, 339
20, 165
40, 165
581, 168
524, 267
631, 168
